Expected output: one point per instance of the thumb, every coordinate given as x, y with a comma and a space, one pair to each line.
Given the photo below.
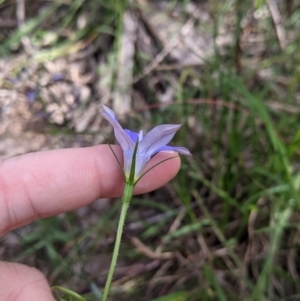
23, 283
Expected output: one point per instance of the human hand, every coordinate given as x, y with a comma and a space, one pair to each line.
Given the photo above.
43, 184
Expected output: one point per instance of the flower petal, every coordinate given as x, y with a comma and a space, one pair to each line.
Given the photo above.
140, 162
158, 137
133, 135
122, 137
177, 149
127, 162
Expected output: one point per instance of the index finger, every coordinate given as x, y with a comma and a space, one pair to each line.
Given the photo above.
42, 184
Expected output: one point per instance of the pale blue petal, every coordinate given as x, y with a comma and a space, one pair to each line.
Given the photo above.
124, 140
133, 135
141, 136
158, 137
177, 149
140, 162
127, 161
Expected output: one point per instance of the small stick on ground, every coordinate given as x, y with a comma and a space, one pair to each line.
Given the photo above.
20, 15
280, 31
165, 51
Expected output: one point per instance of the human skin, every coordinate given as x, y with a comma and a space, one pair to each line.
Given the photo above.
42, 184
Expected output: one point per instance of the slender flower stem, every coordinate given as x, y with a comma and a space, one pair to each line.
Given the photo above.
128, 190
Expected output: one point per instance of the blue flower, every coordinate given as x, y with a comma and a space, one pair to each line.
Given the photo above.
144, 147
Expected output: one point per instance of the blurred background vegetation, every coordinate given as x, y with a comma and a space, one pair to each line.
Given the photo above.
227, 227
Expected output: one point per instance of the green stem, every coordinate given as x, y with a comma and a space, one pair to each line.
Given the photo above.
128, 190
